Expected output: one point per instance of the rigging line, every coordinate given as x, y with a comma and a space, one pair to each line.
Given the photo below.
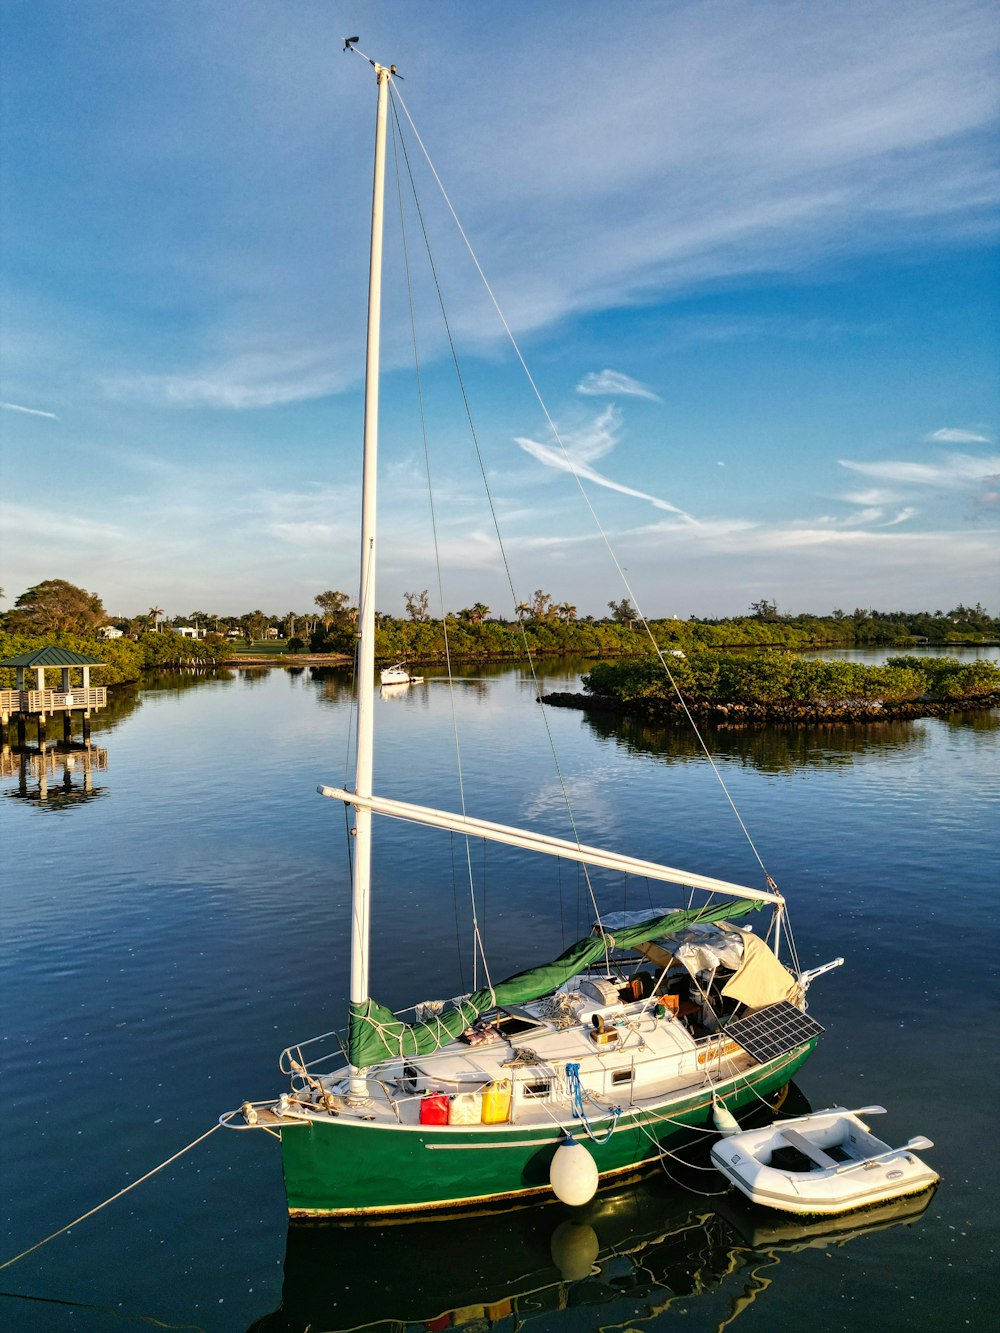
352, 705
586, 498
83, 1216
562, 914
454, 902
477, 948
489, 496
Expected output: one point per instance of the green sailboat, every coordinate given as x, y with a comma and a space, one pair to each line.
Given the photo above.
563, 1076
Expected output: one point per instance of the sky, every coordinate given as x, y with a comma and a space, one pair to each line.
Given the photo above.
747, 251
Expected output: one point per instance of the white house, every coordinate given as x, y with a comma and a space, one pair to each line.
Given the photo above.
109, 632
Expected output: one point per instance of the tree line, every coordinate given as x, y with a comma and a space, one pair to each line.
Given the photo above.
540, 625
768, 678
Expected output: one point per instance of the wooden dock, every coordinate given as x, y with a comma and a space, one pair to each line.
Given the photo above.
45, 700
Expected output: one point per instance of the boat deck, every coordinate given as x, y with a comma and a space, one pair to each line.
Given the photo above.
639, 1061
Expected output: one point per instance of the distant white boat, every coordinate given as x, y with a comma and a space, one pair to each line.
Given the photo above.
825, 1163
398, 675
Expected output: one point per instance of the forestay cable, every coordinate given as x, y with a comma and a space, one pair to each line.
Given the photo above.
572, 468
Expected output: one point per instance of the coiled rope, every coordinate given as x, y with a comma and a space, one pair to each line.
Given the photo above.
577, 1093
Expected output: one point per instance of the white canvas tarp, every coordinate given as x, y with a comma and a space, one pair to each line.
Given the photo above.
758, 977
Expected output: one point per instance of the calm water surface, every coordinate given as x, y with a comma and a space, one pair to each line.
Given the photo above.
169, 930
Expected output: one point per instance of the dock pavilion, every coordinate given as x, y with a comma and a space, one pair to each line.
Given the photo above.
45, 700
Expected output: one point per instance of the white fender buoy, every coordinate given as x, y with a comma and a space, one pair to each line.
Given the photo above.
725, 1122
573, 1173
574, 1248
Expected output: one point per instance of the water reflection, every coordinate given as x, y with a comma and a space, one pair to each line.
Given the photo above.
636, 1250
60, 775
178, 680
767, 749
333, 686
56, 776
976, 719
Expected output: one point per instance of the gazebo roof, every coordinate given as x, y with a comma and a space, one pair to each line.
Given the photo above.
51, 656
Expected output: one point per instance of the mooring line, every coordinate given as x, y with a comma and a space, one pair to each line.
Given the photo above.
83, 1217
106, 1309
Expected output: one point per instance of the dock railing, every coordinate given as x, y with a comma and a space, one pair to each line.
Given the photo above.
53, 701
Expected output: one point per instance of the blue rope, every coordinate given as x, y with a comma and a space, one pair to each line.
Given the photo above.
577, 1093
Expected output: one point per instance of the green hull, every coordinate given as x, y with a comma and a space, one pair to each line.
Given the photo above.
339, 1167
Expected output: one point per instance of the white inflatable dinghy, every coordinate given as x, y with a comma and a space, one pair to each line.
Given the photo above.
824, 1163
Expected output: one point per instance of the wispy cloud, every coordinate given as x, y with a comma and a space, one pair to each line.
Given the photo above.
863, 517
29, 411
871, 497
267, 378
955, 471
582, 448
308, 534
949, 435
783, 143
22, 523
904, 516
612, 383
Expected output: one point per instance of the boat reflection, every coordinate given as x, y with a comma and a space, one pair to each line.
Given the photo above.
640, 1247
762, 1229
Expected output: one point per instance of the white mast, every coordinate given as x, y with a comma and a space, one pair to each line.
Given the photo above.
361, 889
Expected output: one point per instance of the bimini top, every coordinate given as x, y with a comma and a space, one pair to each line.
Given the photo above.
757, 979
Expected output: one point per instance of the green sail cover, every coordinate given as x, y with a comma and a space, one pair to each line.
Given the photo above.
375, 1033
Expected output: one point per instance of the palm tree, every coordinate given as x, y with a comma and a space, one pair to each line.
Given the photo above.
154, 614
566, 611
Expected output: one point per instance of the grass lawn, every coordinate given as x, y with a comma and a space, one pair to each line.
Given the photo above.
260, 648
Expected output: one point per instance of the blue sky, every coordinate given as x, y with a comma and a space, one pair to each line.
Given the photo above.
748, 251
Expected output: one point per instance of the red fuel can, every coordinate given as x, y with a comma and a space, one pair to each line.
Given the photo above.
434, 1109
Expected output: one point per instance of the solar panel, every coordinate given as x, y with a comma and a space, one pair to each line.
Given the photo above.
773, 1031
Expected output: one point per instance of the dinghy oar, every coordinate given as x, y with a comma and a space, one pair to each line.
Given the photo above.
920, 1143
835, 1110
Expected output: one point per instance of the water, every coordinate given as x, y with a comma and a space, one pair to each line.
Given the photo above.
168, 932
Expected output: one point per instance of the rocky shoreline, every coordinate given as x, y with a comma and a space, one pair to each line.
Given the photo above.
771, 714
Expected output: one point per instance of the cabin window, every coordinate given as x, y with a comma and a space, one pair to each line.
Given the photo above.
538, 1089
622, 1076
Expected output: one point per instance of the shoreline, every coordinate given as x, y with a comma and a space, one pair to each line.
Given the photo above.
286, 660
547, 654
771, 714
